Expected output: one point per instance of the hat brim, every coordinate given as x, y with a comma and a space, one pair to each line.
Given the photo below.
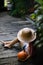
29, 40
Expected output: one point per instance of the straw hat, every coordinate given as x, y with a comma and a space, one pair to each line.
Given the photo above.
26, 35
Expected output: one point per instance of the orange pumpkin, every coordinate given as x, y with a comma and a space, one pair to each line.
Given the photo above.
22, 55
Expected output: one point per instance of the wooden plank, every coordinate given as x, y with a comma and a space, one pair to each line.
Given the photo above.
14, 61
8, 31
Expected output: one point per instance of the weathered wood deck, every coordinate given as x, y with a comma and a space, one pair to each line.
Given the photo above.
9, 27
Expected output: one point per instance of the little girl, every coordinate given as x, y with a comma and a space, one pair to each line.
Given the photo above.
25, 36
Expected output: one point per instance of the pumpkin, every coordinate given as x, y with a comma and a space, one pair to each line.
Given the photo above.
22, 55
